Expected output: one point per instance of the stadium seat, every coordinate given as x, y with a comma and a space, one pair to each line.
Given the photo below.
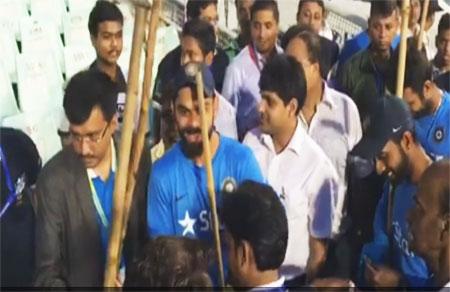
41, 126
40, 82
10, 51
41, 35
11, 12
53, 10
77, 58
8, 104
75, 28
80, 5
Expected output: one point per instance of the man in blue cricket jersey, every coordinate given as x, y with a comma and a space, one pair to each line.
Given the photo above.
390, 141
429, 104
178, 201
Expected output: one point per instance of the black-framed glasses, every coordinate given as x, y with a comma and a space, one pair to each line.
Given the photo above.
93, 138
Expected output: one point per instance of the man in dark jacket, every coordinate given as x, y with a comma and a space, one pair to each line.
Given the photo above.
74, 192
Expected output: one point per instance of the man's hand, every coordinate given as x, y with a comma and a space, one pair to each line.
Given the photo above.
381, 276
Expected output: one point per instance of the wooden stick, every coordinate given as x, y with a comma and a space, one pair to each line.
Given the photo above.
426, 5
403, 46
209, 170
113, 259
138, 144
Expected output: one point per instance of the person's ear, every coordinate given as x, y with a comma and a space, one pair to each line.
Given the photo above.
292, 107
247, 255
114, 122
427, 87
93, 38
407, 141
209, 58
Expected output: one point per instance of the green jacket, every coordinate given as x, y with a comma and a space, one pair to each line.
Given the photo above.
362, 81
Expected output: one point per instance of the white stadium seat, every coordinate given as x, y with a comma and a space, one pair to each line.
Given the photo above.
77, 58
53, 10
40, 83
11, 12
80, 5
41, 35
9, 53
41, 126
8, 104
76, 30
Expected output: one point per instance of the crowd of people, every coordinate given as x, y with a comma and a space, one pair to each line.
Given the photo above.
322, 176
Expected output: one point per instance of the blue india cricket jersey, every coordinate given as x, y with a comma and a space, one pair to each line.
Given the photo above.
178, 201
433, 130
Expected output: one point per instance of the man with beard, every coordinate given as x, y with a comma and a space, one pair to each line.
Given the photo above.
429, 222
240, 85
178, 201
105, 27
74, 192
429, 105
390, 142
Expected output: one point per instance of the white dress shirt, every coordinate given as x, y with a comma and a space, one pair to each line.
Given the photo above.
225, 120
336, 127
307, 184
275, 284
241, 88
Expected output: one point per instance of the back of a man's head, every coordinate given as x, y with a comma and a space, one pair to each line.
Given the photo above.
103, 11
86, 90
170, 262
260, 5
202, 32
195, 7
417, 69
254, 213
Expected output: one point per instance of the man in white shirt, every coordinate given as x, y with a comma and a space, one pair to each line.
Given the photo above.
198, 43
256, 235
296, 167
240, 85
330, 117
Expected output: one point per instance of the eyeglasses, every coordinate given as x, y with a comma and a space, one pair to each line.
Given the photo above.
93, 138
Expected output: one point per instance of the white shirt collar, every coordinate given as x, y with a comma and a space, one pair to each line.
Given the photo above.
326, 96
91, 172
275, 284
261, 60
294, 144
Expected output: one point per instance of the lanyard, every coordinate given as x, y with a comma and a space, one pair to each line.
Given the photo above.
252, 52
97, 204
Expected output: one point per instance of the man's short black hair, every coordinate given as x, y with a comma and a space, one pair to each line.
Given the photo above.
255, 214
169, 261
382, 8
203, 32
259, 5
417, 69
194, 7
311, 40
285, 76
303, 2
103, 11
86, 90
444, 23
